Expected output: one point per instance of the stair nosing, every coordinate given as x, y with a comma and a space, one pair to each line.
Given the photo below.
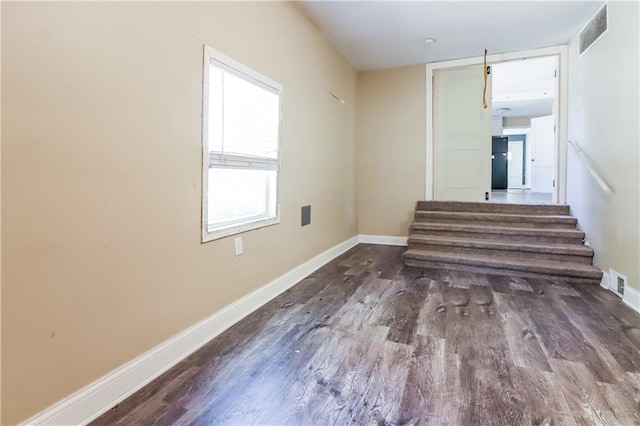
492, 203
500, 216
570, 233
457, 205
551, 248
559, 268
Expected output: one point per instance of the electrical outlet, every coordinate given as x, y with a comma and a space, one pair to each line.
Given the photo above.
238, 245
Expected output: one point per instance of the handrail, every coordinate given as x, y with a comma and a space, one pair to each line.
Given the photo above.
587, 164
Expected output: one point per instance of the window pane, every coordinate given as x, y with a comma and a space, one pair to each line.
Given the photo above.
236, 194
241, 133
251, 117
215, 109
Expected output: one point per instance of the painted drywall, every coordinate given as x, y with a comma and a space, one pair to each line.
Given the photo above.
496, 126
0, 232
512, 122
391, 148
603, 121
101, 178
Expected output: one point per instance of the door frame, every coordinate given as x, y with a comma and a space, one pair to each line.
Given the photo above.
561, 110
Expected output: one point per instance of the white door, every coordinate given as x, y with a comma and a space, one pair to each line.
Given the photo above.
462, 135
542, 139
515, 164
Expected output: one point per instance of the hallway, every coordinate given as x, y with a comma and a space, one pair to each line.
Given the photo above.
520, 196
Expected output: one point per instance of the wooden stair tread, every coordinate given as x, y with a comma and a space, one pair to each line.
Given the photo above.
551, 248
571, 233
527, 240
532, 209
536, 266
497, 217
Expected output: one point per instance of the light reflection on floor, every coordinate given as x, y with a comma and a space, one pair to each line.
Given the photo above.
520, 196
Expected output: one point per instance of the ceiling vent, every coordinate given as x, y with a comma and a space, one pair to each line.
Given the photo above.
593, 30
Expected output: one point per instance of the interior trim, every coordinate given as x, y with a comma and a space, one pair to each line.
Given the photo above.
632, 298
387, 240
562, 52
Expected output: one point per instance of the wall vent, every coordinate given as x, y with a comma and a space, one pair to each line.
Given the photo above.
617, 282
593, 30
306, 215
621, 282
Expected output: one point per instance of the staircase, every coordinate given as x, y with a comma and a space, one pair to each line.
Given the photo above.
523, 240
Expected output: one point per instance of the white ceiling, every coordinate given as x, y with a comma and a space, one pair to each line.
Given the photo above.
525, 87
387, 34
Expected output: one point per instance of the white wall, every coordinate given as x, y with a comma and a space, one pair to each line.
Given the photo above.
496, 126
603, 121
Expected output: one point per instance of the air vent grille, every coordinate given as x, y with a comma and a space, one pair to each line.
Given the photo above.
594, 29
617, 282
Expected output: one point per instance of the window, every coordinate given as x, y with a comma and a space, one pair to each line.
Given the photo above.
241, 148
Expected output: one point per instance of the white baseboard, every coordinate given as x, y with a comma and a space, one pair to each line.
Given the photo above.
98, 397
632, 298
604, 282
387, 240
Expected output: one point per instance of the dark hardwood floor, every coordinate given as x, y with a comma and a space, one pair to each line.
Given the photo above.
366, 340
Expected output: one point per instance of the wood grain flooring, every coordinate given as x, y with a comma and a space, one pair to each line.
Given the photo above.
366, 339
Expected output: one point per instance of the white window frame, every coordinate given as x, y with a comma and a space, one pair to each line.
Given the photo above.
237, 161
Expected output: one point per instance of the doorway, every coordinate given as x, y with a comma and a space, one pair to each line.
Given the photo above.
523, 105
517, 128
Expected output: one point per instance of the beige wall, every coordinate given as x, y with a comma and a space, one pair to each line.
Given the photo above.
516, 122
391, 148
603, 120
0, 233
101, 178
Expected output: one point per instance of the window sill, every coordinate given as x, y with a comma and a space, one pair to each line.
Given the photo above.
238, 228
